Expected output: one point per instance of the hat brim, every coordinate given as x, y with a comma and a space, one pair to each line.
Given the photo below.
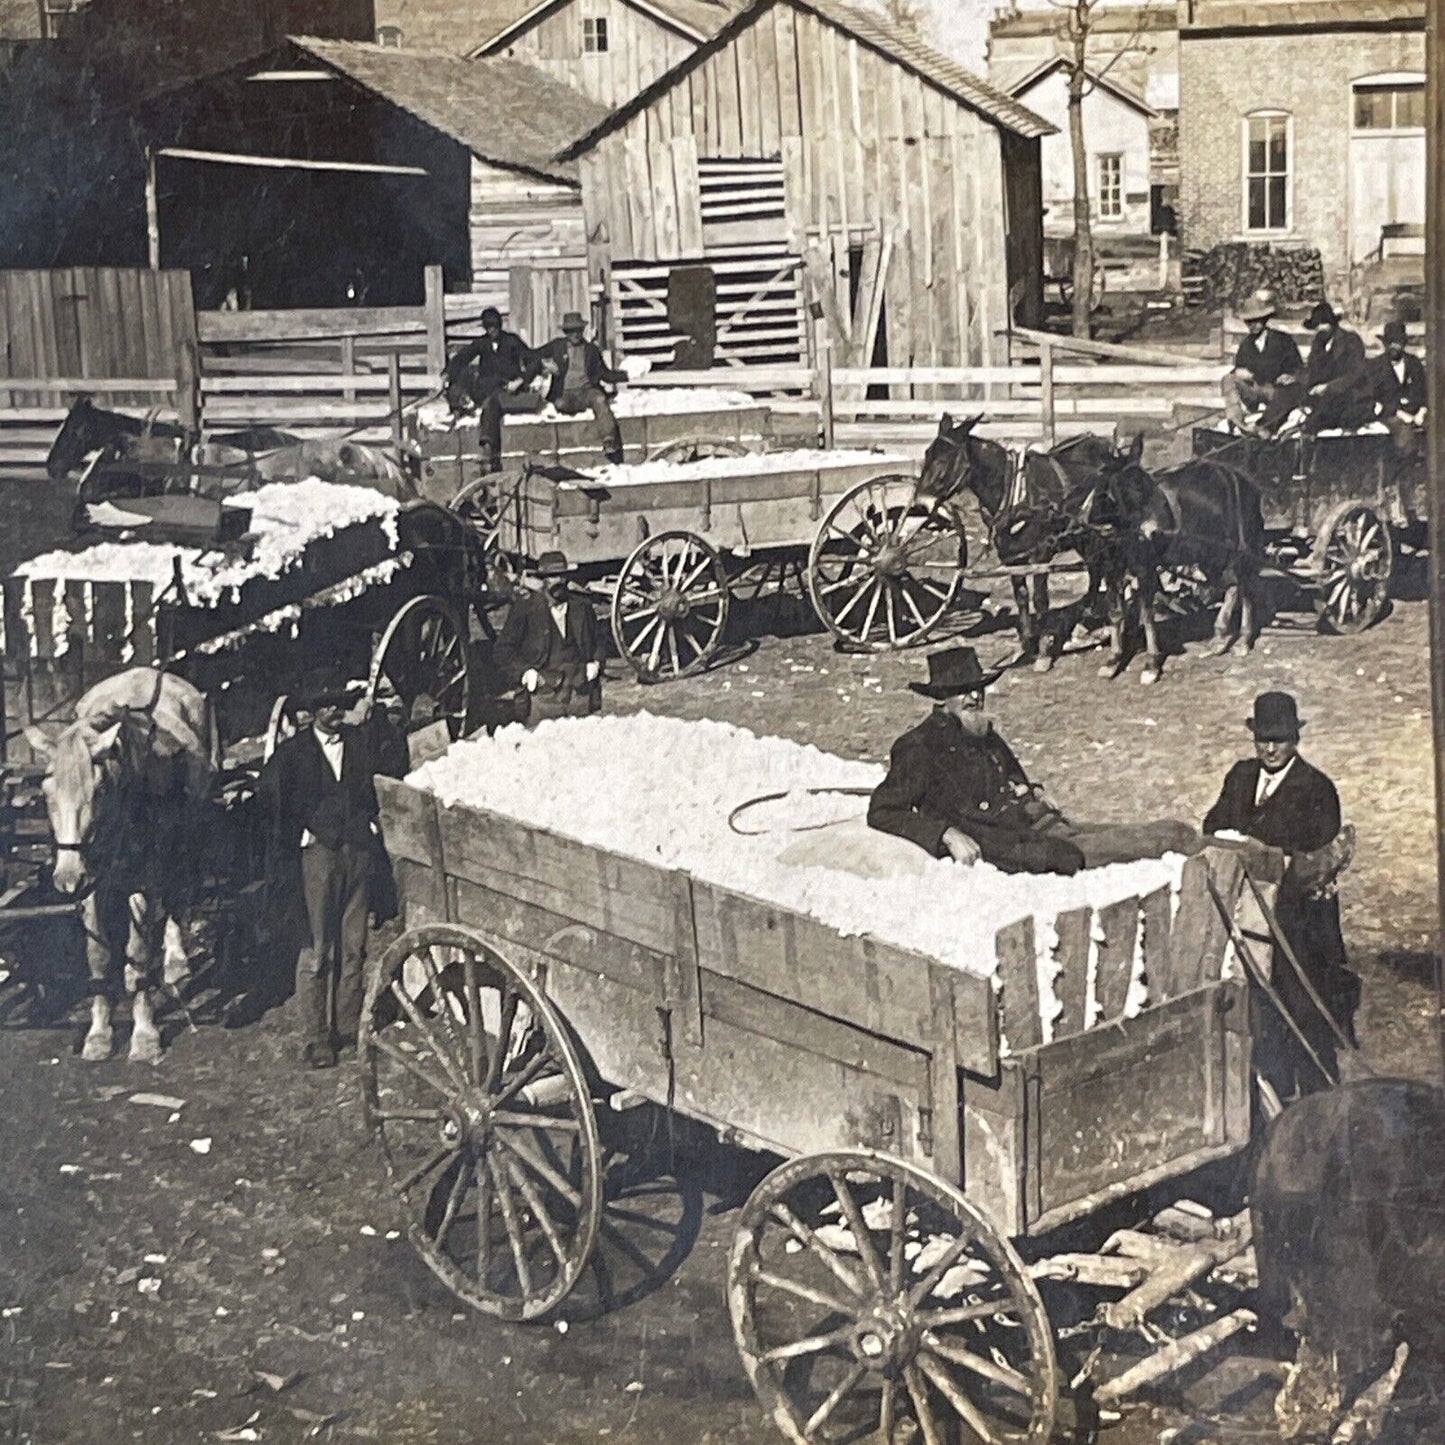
1274, 735
1257, 315
940, 692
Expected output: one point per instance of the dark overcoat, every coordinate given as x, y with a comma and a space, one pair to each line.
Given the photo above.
530, 639
1393, 395
941, 777
1278, 357
598, 371
1334, 360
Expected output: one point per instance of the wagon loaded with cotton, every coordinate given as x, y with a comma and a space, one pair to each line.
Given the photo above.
1331, 503
951, 1063
667, 545
292, 574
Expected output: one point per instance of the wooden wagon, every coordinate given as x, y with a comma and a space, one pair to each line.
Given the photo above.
872, 1275
695, 423
1330, 502
667, 545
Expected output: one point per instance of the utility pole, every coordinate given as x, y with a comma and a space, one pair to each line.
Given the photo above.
1435, 373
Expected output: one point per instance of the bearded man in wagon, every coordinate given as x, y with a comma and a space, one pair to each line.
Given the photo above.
955, 788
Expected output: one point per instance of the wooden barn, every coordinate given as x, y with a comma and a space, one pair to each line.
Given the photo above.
610, 49
338, 170
809, 152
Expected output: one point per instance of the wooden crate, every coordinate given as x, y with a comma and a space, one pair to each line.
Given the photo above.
787, 1035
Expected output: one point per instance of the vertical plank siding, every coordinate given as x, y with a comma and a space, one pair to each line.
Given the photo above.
865, 146
516, 220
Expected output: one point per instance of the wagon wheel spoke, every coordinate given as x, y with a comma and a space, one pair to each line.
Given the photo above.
922, 1410
454, 1200
510, 1222
483, 1179
442, 1056
476, 1025
429, 1165
508, 1017
836, 1396
800, 1291
398, 1057
809, 1345
828, 1257
897, 1219
872, 1264
980, 1365
946, 1386
541, 1169
539, 1213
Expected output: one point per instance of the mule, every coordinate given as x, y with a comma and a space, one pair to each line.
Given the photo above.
1347, 1201
126, 790
1206, 515
1049, 504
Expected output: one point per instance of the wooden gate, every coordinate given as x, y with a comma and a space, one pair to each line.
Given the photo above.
760, 311
84, 323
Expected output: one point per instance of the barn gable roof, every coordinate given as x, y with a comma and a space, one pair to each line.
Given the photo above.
1103, 82
867, 29
504, 112
695, 20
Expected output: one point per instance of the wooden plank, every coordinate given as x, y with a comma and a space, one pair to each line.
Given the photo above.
689, 198
860, 981
108, 619
409, 820
1018, 973
141, 624
314, 324
943, 1076
1072, 955
1119, 923
1158, 910
1200, 930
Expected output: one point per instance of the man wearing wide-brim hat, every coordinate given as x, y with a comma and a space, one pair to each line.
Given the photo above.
551, 646
580, 378
955, 788
1284, 802
1266, 360
1333, 368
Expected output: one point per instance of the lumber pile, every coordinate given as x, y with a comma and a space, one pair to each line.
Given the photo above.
1228, 273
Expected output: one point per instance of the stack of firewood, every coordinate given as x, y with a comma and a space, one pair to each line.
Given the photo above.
1226, 274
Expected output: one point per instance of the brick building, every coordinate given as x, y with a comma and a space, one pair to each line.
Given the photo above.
1301, 123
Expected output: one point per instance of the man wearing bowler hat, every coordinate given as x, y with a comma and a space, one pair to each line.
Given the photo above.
955, 788
1284, 802
320, 795
495, 373
551, 646
580, 376
1266, 361
1396, 386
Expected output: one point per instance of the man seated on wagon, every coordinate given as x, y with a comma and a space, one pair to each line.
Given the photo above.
1266, 361
955, 788
580, 378
1332, 370
551, 646
494, 373
1395, 385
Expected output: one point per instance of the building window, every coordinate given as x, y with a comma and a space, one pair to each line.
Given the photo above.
594, 34
389, 36
1266, 172
1390, 107
1111, 187
54, 13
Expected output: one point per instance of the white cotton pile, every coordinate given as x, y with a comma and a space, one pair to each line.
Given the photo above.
642, 474
436, 416
286, 517
662, 789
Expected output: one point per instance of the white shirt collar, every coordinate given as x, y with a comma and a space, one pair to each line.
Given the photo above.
559, 615
1267, 784
333, 746
1399, 368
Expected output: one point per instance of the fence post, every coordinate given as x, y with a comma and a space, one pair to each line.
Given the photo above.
825, 352
393, 386
1046, 388
436, 322
188, 386
348, 367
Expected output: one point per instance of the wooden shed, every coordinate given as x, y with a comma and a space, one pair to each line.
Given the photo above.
807, 139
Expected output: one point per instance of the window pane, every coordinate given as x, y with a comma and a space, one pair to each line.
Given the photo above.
1278, 160
1276, 203
1410, 107
1256, 204
1256, 153
1372, 108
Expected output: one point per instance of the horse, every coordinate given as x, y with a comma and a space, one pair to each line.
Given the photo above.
88, 428
1203, 514
1347, 1204
126, 789
1063, 500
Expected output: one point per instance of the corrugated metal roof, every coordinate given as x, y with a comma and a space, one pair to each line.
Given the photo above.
1303, 15
503, 111
948, 75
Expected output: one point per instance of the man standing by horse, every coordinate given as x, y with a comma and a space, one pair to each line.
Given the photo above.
955, 788
494, 373
580, 375
319, 790
1266, 362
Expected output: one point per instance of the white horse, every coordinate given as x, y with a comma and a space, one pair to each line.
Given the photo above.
124, 785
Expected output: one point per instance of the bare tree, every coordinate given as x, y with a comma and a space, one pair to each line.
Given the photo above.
1079, 19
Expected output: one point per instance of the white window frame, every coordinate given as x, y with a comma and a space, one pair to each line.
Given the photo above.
1289, 171
1100, 157
1387, 80
596, 36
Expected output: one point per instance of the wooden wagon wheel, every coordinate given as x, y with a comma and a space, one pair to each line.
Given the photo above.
423, 661
1355, 559
479, 1100
487, 509
885, 565
671, 606
865, 1292
696, 449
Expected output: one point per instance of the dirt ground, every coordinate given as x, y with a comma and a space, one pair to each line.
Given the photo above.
223, 1263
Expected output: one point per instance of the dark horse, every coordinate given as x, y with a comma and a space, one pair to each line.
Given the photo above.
1071, 499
